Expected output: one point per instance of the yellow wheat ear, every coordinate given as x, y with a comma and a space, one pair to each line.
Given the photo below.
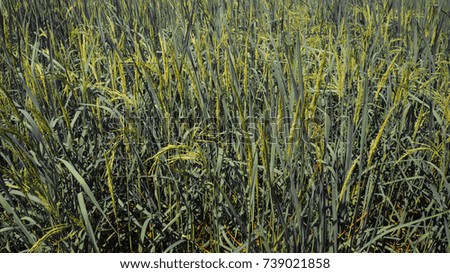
347, 179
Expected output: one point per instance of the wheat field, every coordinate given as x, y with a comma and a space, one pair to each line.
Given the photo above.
224, 126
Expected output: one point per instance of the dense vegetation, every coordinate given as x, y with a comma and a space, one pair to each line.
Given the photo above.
224, 126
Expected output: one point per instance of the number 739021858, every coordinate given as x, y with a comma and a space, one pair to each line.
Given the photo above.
297, 263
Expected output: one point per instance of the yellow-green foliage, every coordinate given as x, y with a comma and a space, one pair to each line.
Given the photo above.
224, 126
